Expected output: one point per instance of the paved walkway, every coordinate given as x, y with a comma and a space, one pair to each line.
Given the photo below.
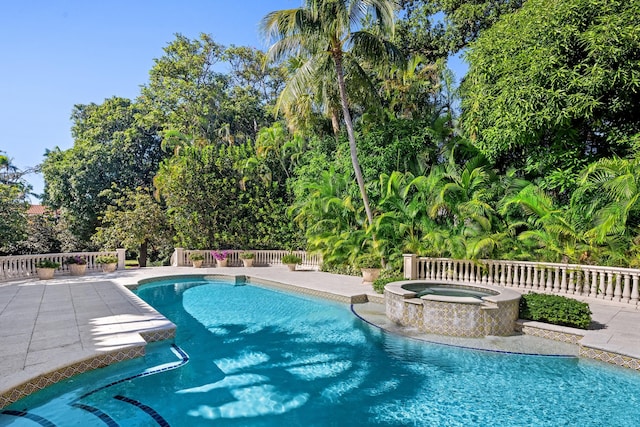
50, 330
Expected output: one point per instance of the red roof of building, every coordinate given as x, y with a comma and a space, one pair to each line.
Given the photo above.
37, 210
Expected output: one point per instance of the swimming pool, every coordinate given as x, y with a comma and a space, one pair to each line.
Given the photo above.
250, 356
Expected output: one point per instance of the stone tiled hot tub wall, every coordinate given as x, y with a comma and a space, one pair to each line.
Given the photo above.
453, 316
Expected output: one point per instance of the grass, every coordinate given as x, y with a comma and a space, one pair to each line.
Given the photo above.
130, 263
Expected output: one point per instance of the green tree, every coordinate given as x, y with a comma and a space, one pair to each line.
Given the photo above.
42, 236
438, 28
323, 32
213, 199
110, 147
189, 96
136, 221
14, 191
555, 86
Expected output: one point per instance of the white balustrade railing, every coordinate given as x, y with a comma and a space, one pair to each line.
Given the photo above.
181, 256
607, 283
24, 266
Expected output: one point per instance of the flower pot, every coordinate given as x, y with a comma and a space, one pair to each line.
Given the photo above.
248, 262
197, 263
369, 275
222, 262
109, 268
77, 269
45, 273
292, 267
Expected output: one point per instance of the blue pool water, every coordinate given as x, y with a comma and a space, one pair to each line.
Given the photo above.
249, 356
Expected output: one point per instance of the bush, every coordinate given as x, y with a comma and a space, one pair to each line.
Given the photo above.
368, 261
47, 263
107, 259
196, 256
291, 259
346, 269
555, 309
387, 276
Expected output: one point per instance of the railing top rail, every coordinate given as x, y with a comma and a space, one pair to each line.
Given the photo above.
576, 267
55, 255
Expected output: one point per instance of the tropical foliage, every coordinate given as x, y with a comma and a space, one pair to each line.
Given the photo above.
350, 138
13, 204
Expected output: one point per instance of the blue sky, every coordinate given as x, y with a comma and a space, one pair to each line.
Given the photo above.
58, 53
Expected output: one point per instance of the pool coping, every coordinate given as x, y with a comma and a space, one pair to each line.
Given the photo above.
344, 289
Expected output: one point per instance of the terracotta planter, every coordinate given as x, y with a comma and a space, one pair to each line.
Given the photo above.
77, 269
222, 262
109, 268
247, 262
45, 273
197, 263
369, 275
292, 267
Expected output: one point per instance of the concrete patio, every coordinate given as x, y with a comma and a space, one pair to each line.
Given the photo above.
54, 329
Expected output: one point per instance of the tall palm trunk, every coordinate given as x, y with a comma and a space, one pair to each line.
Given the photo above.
352, 140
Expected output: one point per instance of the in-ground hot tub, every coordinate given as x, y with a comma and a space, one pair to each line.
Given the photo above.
454, 309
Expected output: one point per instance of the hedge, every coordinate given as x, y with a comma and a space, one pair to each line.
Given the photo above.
555, 309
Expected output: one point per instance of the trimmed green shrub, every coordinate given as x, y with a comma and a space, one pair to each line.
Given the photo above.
386, 276
555, 309
346, 269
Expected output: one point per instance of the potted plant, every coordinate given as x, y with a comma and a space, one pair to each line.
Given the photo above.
77, 265
197, 259
220, 257
370, 265
109, 262
46, 269
247, 258
291, 261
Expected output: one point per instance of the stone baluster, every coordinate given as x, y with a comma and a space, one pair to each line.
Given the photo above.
635, 294
580, 282
593, 290
606, 285
617, 286
571, 285
626, 288
560, 281
602, 290
529, 282
548, 286
535, 277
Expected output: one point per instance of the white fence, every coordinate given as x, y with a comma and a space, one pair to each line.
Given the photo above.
24, 266
180, 257
608, 283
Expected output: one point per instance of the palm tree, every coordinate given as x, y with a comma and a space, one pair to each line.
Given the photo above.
614, 185
324, 33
